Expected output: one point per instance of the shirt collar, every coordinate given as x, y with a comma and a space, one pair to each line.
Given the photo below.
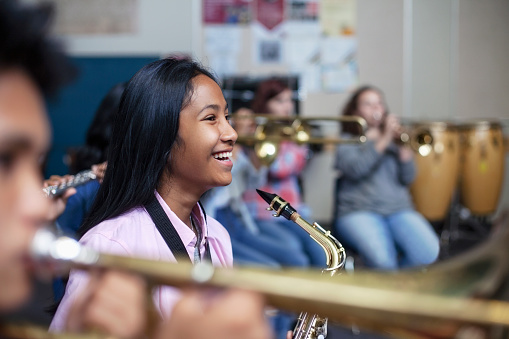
186, 234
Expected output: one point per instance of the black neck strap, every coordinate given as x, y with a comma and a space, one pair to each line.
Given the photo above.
168, 231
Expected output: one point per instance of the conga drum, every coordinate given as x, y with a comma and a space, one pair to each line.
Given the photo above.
437, 169
482, 166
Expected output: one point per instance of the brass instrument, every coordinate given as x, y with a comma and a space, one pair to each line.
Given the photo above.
419, 139
445, 300
272, 130
310, 326
78, 179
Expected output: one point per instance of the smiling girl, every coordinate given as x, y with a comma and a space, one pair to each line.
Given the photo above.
171, 142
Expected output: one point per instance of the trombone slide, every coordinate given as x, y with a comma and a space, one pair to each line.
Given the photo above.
375, 300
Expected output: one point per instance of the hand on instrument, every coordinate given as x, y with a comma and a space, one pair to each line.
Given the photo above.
231, 314
114, 303
57, 204
392, 127
99, 170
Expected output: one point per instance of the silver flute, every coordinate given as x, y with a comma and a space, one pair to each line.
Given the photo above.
78, 179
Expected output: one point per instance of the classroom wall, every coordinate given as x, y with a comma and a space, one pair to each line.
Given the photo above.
434, 59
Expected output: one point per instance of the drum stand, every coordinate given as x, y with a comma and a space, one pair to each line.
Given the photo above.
462, 230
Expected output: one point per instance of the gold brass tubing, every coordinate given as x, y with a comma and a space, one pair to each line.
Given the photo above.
437, 300
249, 139
338, 257
374, 297
291, 119
340, 299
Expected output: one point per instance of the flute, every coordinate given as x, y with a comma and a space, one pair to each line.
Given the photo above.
78, 179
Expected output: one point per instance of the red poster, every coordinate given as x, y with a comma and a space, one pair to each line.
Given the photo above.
270, 13
226, 11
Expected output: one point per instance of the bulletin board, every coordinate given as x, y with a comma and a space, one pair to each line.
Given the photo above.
314, 40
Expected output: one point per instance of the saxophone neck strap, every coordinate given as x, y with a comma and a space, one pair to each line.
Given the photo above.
168, 231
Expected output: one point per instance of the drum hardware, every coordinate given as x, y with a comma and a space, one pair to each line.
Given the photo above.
272, 130
462, 230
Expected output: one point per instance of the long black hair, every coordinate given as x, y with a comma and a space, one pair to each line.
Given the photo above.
144, 131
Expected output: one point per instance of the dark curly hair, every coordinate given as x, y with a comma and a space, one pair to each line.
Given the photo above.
26, 43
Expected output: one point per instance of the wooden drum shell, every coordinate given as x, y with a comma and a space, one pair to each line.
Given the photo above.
482, 166
437, 172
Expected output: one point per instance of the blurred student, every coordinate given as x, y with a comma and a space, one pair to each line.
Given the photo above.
274, 97
375, 214
250, 245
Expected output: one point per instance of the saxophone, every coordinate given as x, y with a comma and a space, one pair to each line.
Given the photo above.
310, 326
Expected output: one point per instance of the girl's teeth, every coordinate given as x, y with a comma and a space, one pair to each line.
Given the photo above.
222, 155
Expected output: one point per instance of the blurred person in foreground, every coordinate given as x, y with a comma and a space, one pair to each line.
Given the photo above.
32, 65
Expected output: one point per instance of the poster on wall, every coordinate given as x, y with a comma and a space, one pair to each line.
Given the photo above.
267, 45
312, 38
338, 17
302, 10
302, 52
338, 64
222, 46
227, 11
269, 13
94, 17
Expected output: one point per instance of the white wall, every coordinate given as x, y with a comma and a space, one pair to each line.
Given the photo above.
483, 67
165, 26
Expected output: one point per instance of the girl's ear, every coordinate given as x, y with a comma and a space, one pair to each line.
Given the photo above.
168, 159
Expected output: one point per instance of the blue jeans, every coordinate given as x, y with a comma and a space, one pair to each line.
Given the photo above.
389, 242
246, 255
264, 248
314, 252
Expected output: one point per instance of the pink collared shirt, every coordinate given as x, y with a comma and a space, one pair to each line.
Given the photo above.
134, 234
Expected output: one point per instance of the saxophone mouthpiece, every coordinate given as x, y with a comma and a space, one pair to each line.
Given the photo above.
277, 204
268, 197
